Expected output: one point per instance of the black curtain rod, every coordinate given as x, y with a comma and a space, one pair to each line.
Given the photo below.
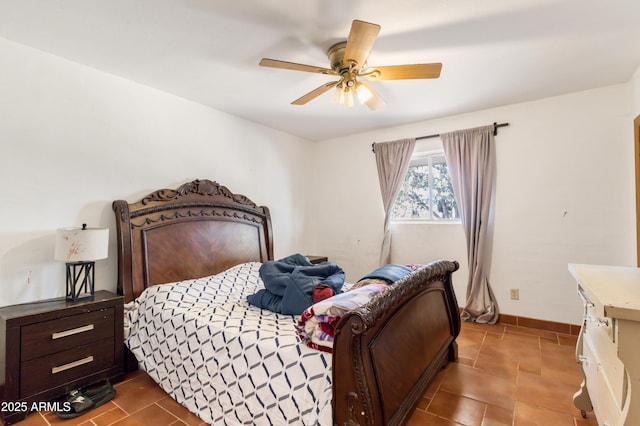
437, 135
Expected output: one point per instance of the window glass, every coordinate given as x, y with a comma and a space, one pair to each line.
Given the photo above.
427, 193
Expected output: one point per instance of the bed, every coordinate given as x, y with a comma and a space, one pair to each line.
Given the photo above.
202, 237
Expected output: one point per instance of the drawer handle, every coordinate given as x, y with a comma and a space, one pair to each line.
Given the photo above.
73, 364
603, 323
71, 332
582, 358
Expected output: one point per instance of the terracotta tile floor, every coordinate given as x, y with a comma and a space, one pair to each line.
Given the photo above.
505, 375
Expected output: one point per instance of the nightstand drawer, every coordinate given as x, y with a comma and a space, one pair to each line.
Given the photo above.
62, 367
49, 337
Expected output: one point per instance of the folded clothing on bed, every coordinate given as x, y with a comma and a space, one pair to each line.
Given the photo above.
317, 324
391, 273
289, 283
387, 274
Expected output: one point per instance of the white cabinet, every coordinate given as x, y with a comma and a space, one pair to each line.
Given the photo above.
609, 343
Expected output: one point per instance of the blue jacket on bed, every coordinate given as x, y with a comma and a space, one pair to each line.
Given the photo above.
391, 273
289, 283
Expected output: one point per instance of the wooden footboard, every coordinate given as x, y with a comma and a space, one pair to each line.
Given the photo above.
387, 352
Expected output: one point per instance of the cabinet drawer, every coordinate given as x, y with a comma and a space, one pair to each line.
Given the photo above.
606, 407
49, 337
62, 367
604, 349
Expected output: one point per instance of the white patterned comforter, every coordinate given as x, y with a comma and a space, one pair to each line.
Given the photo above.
225, 360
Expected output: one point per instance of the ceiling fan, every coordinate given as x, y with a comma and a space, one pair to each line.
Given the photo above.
348, 61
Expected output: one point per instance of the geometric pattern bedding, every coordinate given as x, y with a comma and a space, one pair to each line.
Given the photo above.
227, 361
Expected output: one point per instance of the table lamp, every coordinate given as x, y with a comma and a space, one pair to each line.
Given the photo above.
80, 248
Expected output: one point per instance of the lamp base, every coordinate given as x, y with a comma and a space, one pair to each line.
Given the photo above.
80, 279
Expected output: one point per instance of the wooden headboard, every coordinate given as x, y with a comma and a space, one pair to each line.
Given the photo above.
196, 230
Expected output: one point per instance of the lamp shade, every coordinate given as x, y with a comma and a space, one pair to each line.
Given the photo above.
81, 244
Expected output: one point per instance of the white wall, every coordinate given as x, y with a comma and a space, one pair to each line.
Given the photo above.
635, 91
564, 194
74, 139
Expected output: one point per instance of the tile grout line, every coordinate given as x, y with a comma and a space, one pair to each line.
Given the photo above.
156, 403
475, 361
119, 407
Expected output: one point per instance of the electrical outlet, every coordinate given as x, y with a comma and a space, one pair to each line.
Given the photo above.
515, 294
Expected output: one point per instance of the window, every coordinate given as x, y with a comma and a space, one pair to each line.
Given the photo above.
427, 193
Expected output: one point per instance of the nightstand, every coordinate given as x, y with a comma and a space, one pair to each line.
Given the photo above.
317, 259
51, 347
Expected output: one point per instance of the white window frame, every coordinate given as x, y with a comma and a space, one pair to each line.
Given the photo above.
423, 158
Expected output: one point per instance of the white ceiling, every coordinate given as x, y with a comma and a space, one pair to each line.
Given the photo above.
494, 52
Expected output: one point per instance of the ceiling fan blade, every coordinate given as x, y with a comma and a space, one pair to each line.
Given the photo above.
275, 63
375, 101
314, 93
359, 44
404, 72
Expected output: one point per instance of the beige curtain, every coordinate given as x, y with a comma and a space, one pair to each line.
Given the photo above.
470, 156
392, 159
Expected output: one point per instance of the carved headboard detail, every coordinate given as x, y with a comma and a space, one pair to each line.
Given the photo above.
199, 229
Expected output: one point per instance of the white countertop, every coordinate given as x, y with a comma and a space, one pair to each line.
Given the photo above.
616, 288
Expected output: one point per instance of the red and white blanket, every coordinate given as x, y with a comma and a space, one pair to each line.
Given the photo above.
317, 324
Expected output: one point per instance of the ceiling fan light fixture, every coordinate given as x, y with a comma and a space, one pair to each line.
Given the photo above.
363, 92
348, 93
342, 95
337, 96
345, 94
